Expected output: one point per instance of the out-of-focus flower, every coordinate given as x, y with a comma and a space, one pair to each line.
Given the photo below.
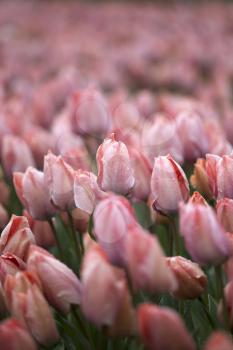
146, 103
191, 279
10, 264
60, 285
34, 194
219, 340
59, 179
27, 303
169, 185
228, 293
115, 172
5, 193
14, 336
126, 116
16, 237
112, 217
204, 237
162, 328
3, 217
16, 155
224, 210
108, 305
200, 179
89, 113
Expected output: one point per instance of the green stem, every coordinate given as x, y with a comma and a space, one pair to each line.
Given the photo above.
53, 228
77, 245
221, 295
82, 326
207, 312
175, 237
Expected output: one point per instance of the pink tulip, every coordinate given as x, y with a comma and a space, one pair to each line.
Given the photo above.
204, 237
34, 194
169, 185
191, 279
27, 303
111, 219
108, 305
14, 336
197, 198
10, 264
114, 169
224, 210
89, 115
161, 328
59, 178
16, 155
61, 287
16, 237
219, 340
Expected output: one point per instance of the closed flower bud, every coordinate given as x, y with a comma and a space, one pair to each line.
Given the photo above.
16, 237
14, 336
61, 286
108, 305
161, 328
219, 340
169, 185
224, 210
197, 198
115, 172
34, 194
16, 155
204, 237
59, 179
10, 264
27, 303
200, 180
191, 279
111, 219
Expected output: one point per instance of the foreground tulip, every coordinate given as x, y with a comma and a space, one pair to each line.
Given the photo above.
108, 305
59, 179
200, 179
61, 286
10, 264
191, 279
27, 303
219, 340
111, 219
114, 168
14, 336
16, 237
162, 328
16, 155
224, 210
33, 193
204, 237
169, 185
145, 262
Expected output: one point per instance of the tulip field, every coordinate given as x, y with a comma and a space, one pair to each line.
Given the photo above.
116, 175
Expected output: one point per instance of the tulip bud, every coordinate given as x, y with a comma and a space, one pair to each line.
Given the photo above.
59, 179
161, 328
16, 237
61, 286
200, 180
224, 210
108, 305
114, 169
197, 198
169, 185
14, 336
204, 237
111, 219
191, 279
145, 262
219, 340
10, 264
27, 303
16, 155
34, 194
90, 114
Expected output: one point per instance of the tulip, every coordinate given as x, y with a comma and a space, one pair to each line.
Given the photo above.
89, 115
5, 193
197, 198
224, 210
126, 116
108, 305
34, 194
145, 262
10, 264
59, 179
60, 285
14, 336
161, 328
228, 294
27, 303
169, 185
191, 279
111, 219
16, 237
200, 180
114, 169
16, 155
204, 237
219, 340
